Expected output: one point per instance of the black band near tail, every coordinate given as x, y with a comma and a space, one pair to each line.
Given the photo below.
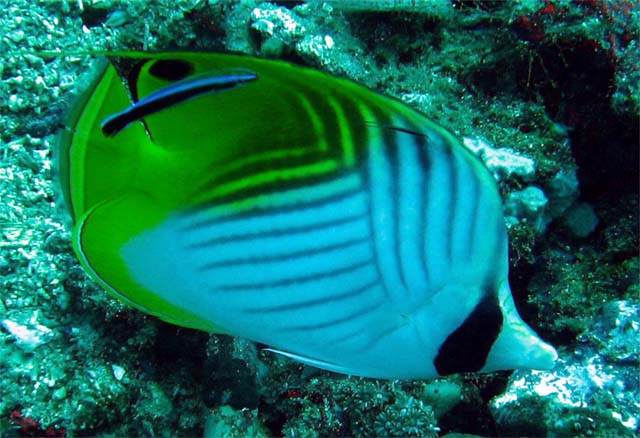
467, 348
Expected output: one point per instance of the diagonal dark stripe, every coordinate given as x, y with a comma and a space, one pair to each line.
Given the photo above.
392, 153
450, 209
421, 142
473, 211
228, 173
267, 209
283, 257
369, 345
300, 229
337, 321
295, 280
351, 293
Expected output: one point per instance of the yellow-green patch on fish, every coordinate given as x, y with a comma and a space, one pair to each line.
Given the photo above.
266, 200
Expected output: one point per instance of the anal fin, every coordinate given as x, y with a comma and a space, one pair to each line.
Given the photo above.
318, 363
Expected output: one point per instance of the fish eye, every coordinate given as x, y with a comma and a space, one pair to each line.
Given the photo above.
171, 69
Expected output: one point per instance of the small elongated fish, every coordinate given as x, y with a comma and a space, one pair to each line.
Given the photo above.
261, 199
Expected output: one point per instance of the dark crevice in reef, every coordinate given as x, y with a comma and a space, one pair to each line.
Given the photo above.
576, 81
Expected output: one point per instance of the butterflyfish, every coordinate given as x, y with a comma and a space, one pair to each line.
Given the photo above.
271, 201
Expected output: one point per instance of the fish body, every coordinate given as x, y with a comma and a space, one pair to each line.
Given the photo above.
271, 201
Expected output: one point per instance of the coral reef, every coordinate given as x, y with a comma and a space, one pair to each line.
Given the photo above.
335, 406
592, 392
547, 93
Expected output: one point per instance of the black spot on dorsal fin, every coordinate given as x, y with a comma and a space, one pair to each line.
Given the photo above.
171, 69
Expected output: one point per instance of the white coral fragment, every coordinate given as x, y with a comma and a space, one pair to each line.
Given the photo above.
502, 162
27, 337
277, 21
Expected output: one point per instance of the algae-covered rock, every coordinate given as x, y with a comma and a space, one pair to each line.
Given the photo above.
228, 422
528, 204
581, 219
442, 395
593, 391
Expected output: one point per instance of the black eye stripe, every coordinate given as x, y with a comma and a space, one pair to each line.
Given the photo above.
171, 69
174, 94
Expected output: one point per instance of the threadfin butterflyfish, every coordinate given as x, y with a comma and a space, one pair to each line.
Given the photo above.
271, 201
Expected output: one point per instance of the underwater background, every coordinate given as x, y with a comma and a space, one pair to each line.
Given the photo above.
547, 93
